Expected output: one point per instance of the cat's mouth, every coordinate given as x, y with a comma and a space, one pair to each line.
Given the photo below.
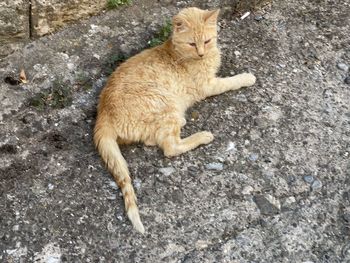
199, 57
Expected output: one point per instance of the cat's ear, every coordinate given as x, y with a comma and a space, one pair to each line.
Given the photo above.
179, 24
211, 17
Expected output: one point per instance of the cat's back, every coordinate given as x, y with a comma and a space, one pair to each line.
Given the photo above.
140, 81
147, 65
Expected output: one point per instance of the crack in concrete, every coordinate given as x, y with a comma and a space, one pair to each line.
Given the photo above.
30, 19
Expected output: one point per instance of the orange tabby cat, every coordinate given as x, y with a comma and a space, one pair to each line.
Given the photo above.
145, 99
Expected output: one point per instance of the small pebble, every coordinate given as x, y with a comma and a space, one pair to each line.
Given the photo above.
137, 183
258, 17
308, 178
247, 190
273, 201
317, 184
346, 217
202, 244
220, 159
237, 53
167, 170
70, 66
214, 166
245, 15
231, 147
111, 197
343, 66
113, 184
253, 157
92, 168
241, 98
192, 170
290, 200
347, 80
268, 205
194, 115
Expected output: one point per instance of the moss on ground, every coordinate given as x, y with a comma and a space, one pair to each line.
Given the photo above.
112, 4
83, 81
58, 96
112, 62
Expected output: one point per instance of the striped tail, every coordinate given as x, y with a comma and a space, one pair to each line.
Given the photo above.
107, 146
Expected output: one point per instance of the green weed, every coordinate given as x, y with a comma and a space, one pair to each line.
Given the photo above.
163, 34
58, 96
112, 4
83, 81
112, 62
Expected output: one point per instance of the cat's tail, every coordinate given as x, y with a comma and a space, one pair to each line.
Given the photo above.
106, 143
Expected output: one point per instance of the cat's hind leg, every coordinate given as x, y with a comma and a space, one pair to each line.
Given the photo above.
168, 138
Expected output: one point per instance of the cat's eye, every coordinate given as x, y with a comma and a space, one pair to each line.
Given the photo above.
206, 42
192, 44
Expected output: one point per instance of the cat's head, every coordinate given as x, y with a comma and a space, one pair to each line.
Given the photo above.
195, 32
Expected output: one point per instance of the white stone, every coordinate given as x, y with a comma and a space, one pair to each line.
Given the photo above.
51, 253
247, 190
231, 147
273, 201
214, 166
167, 170
237, 53
290, 200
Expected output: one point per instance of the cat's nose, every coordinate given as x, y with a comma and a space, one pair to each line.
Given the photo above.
201, 55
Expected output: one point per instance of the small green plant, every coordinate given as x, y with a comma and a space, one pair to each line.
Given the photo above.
58, 96
83, 81
112, 62
163, 34
112, 4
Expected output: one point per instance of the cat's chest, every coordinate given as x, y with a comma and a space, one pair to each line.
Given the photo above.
190, 87
200, 72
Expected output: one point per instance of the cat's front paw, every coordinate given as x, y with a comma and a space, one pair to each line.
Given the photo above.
248, 79
206, 137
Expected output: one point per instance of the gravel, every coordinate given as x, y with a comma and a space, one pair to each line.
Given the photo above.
347, 80
308, 178
343, 67
258, 17
316, 185
167, 170
253, 157
267, 204
214, 166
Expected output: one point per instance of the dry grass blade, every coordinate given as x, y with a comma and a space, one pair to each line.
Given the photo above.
22, 76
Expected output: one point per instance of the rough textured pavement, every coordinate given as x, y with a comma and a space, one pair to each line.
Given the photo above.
272, 187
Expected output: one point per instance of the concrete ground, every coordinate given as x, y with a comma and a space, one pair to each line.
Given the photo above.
274, 186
